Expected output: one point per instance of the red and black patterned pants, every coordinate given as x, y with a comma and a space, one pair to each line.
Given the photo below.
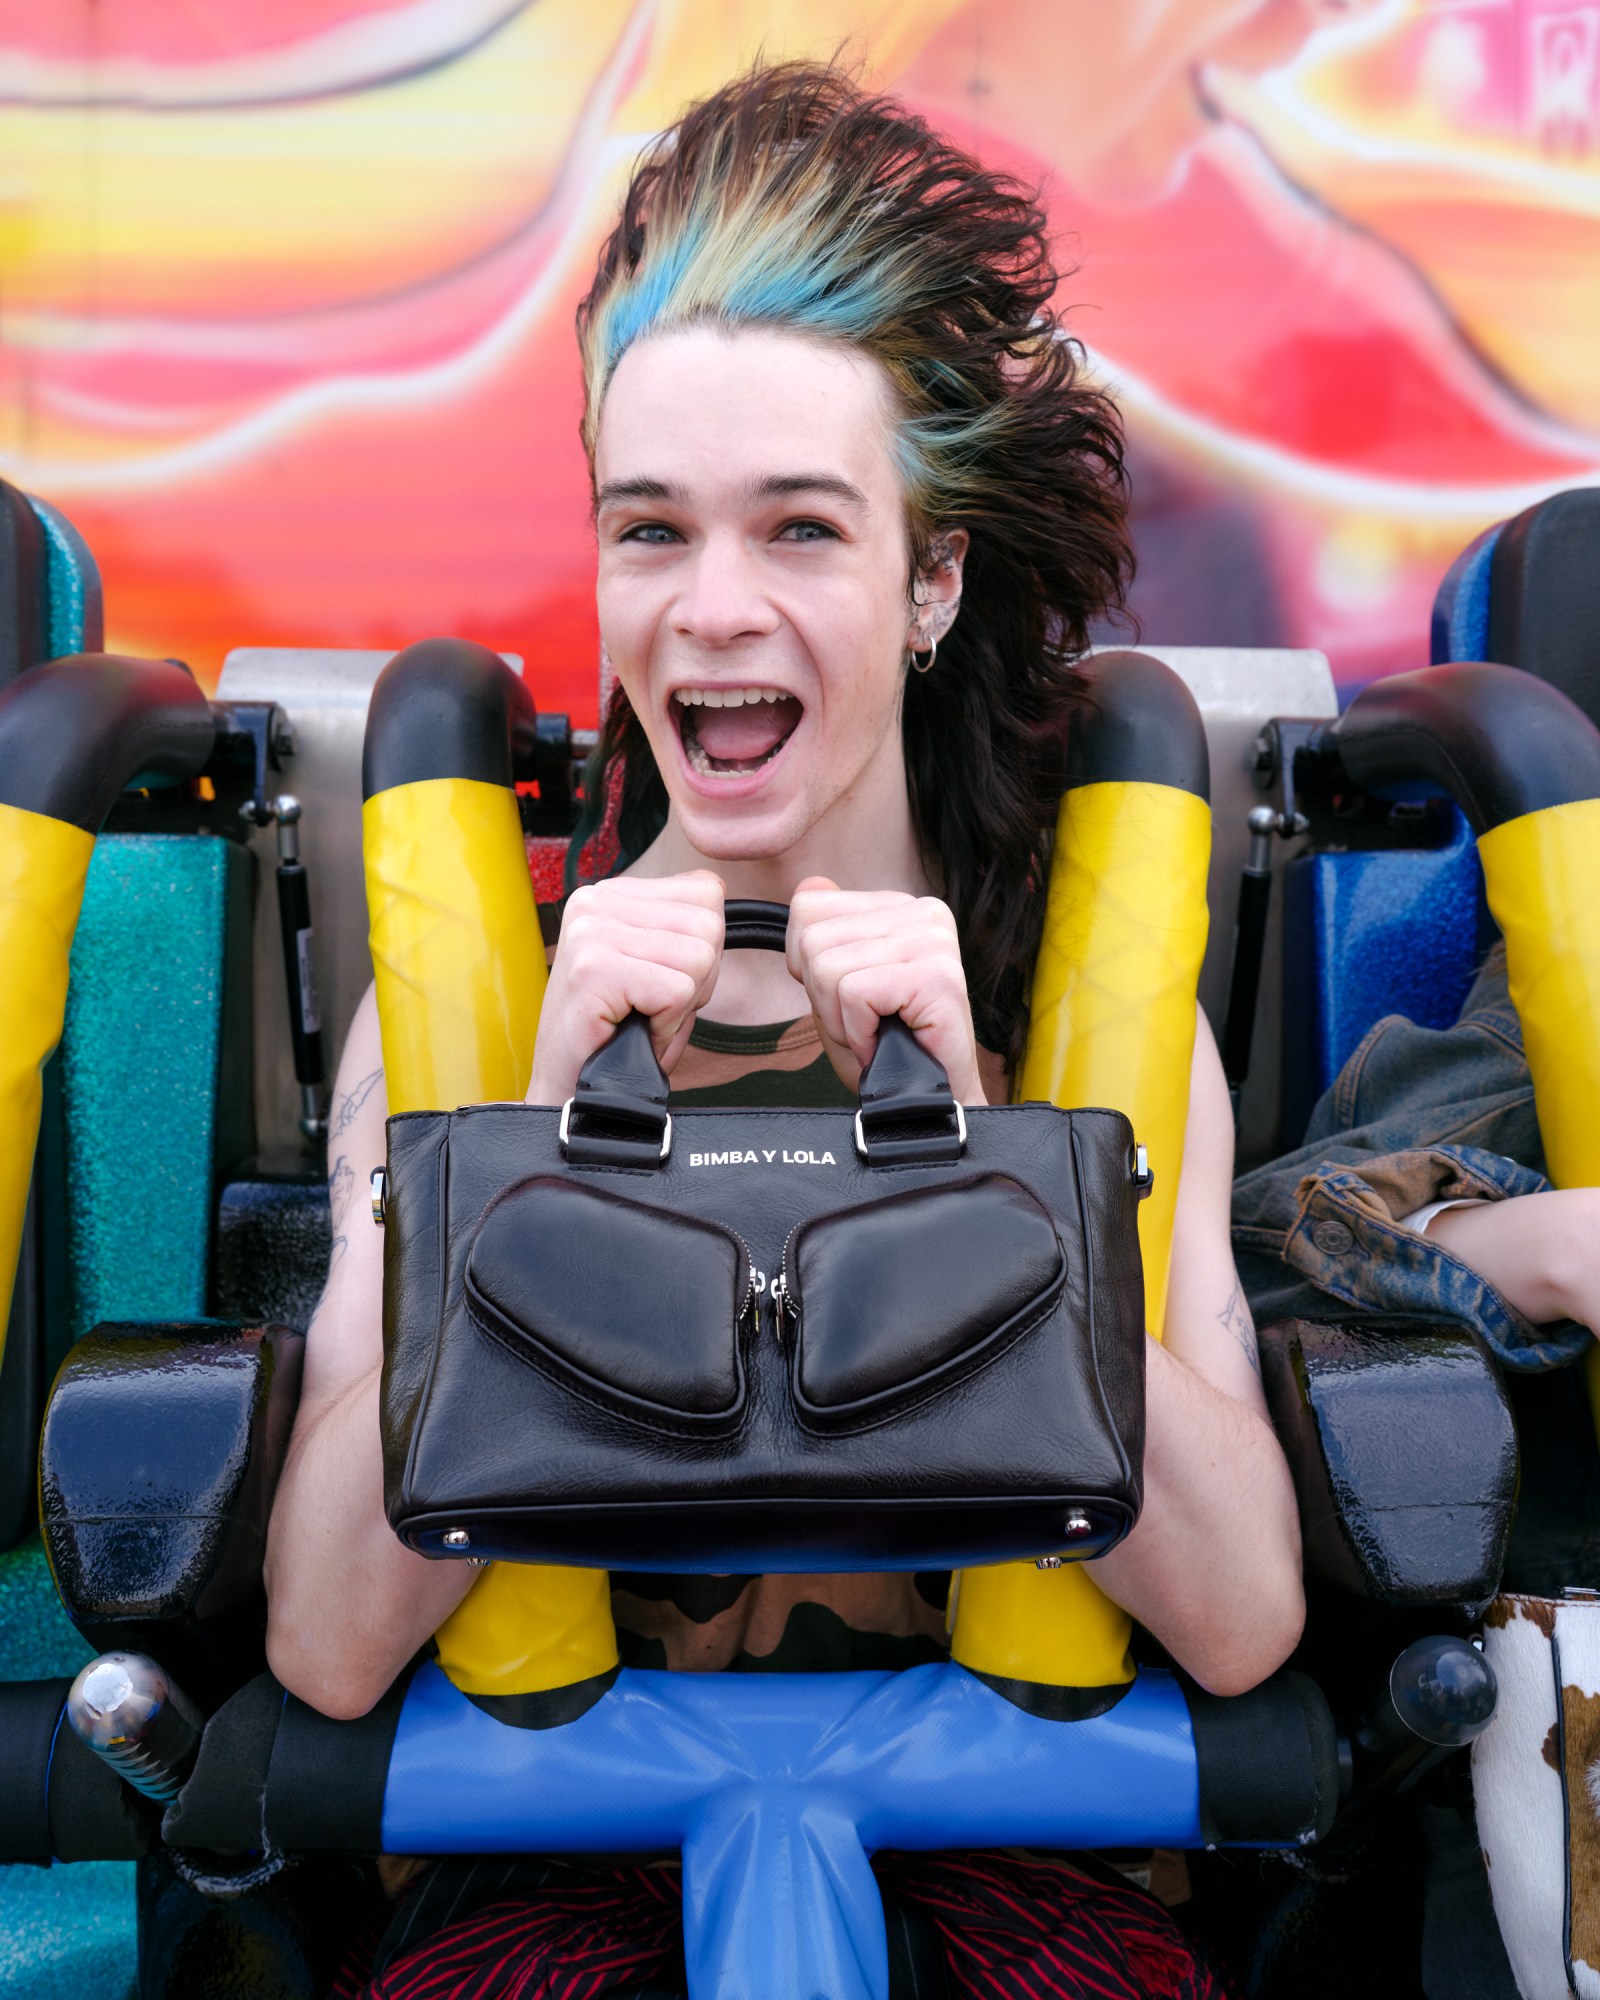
961, 1927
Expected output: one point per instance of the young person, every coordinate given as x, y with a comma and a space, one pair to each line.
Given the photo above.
855, 506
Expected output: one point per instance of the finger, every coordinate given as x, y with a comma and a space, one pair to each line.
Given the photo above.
817, 901
834, 953
700, 916
606, 959
938, 1015
691, 885
668, 1057
930, 968
918, 924
867, 996
800, 902
664, 995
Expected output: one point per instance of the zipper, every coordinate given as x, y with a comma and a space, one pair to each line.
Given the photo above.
749, 1300
782, 1305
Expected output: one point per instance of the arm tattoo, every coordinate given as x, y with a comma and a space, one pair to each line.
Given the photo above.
1235, 1316
341, 1184
343, 1113
341, 1180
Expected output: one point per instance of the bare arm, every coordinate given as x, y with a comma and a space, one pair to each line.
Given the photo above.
1213, 1566
347, 1603
1539, 1251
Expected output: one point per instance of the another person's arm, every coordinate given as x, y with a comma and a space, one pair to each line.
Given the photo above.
1541, 1252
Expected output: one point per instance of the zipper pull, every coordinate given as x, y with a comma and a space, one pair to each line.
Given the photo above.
780, 1305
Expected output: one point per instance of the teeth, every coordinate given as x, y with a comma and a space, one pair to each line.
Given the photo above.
726, 697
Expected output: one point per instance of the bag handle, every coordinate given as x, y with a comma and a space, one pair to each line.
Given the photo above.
618, 1115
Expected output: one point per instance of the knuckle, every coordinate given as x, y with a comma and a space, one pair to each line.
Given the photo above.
585, 961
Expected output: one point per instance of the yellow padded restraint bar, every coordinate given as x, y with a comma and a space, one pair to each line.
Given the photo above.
1542, 876
460, 977
1112, 1023
44, 863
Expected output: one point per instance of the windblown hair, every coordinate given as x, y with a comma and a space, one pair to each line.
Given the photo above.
792, 199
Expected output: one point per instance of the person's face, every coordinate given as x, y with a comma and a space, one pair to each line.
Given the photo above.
754, 579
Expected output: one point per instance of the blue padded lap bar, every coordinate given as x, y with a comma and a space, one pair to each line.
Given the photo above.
777, 1787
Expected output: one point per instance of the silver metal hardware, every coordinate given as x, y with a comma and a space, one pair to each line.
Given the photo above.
477, 1562
127, 1711
1078, 1523
378, 1181
961, 1128
1263, 824
286, 813
1140, 1172
457, 1538
313, 1119
778, 1292
566, 1115
1048, 1562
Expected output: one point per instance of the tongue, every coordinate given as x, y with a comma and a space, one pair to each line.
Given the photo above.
746, 734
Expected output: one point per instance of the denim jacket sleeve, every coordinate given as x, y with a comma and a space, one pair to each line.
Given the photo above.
1416, 1115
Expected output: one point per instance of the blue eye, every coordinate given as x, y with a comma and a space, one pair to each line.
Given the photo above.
808, 531
654, 534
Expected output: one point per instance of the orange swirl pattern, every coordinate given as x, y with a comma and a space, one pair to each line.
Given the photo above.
286, 292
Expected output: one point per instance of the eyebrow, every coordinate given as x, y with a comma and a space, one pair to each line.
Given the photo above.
780, 485
617, 490
776, 486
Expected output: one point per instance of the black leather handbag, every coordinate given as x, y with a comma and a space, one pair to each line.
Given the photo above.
908, 1337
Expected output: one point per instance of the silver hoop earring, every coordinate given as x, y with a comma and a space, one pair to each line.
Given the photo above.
926, 666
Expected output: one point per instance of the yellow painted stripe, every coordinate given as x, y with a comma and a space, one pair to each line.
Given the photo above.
44, 863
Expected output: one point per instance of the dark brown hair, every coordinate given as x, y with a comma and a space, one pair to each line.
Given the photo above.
792, 198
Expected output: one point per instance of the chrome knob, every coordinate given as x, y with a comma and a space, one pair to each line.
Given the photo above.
128, 1712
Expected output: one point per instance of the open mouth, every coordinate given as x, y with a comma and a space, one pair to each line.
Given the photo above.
728, 732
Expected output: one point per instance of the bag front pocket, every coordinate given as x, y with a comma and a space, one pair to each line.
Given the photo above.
633, 1307
900, 1299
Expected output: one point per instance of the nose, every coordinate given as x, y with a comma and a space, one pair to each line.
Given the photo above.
722, 599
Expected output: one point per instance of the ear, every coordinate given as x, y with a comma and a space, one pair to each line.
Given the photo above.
936, 592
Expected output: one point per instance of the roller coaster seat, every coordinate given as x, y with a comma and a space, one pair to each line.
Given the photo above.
1524, 592
255, 1386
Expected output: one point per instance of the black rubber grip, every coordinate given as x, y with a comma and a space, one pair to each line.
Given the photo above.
23, 586
76, 733
1494, 739
448, 708
1255, 899
1141, 726
305, 1020
1269, 1762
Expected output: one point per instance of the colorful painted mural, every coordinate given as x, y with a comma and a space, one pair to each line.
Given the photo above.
286, 288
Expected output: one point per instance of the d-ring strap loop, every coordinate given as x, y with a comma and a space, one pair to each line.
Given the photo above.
618, 1115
